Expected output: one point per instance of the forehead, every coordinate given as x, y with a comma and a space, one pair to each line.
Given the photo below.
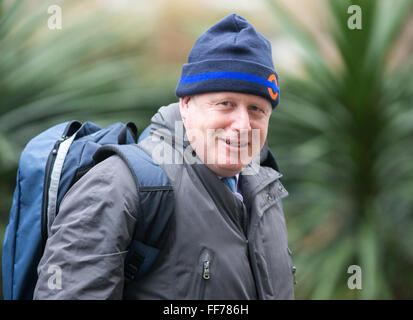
248, 99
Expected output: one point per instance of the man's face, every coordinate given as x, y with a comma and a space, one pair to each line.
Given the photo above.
226, 129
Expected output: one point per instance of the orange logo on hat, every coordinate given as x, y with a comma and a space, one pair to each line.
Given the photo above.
273, 95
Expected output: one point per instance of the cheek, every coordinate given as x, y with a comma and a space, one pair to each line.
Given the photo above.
197, 132
212, 126
263, 136
262, 126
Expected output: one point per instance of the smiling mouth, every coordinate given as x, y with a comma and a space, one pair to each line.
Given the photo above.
235, 143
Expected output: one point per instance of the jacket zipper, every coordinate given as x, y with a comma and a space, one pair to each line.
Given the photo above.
206, 275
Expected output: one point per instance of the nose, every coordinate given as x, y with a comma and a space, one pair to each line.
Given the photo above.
241, 119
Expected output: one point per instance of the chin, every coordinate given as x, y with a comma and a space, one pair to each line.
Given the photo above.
227, 170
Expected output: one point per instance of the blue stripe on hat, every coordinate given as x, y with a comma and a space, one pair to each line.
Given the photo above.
229, 75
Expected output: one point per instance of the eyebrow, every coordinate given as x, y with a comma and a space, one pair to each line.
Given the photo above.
262, 104
228, 96
222, 97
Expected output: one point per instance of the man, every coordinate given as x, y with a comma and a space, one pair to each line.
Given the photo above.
227, 238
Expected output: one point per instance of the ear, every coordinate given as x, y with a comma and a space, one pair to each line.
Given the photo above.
184, 107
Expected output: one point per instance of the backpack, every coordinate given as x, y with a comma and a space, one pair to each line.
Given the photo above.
49, 165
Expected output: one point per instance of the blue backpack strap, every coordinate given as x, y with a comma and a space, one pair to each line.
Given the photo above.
145, 133
156, 206
123, 134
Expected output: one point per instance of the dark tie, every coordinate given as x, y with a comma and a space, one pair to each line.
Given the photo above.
230, 183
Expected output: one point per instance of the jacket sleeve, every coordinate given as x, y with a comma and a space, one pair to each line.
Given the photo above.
84, 255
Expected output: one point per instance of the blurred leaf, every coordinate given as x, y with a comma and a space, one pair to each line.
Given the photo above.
89, 70
343, 136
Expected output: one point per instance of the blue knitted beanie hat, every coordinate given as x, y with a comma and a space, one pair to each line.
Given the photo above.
230, 56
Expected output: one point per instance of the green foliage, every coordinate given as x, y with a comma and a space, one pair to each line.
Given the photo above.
344, 138
90, 69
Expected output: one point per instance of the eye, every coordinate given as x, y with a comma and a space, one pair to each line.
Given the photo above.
257, 109
225, 103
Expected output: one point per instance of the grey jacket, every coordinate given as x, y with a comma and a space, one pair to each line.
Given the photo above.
218, 247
